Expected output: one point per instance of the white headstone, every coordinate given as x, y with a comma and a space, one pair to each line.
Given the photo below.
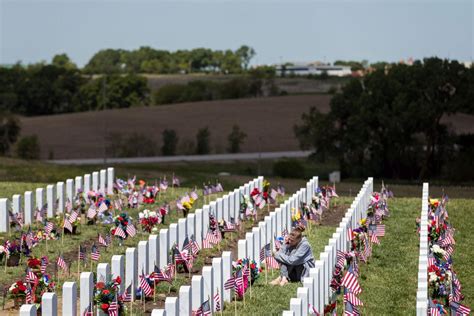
296, 306
4, 216
78, 184
242, 249
16, 203
95, 181
49, 304
87, 291
205, 219
171, 306
225, 205
70, 190
50, 198
164, 248
29, 215
226, 272
256, 245
87, 183
213, 210
208, 277
173, 234
185, 300
103, 181
182, 231
28, 310
309, 284
288, 313
198, 227
110, 180
131, 272
60, 197
190, 228
39, 198
217, 271
118, 269
153, 250
303, 294
250, 251
69, 299
142, 257
197, 285
158, 312
103, 272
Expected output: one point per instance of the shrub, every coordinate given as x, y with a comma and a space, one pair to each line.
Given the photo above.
28, 147
170, 142
202, 138
288, 168
235, 138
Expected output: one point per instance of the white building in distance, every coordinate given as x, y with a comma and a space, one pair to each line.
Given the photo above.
312, 69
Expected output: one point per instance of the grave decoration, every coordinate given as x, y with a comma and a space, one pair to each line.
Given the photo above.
444, 286
149, 219
107, 298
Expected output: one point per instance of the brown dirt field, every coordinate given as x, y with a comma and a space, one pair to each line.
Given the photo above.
81, 135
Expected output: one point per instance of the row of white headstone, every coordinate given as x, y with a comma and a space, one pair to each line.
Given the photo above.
422, 291
102, 181
149, 252
316, 289
205, 286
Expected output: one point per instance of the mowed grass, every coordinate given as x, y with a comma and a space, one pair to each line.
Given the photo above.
460, 214
272, 300
7, 189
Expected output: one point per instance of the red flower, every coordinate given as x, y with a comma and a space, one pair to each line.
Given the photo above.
100, 285
120, 218
104, 306
106, 292
118, 280
125, 223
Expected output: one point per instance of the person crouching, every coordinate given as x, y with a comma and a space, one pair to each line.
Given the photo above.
295, 258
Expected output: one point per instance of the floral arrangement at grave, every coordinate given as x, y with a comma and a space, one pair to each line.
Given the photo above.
213, 224
359, 236
188, 205
440, 281
329, 309
163, 211
246, 205
297, 218
17, 292
239, 265
11, 251
121, 222
106, 293
149, 196
149, 219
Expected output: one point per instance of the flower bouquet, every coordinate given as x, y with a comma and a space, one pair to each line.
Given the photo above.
11, 250
17, 292
121, 222
106, 293
149, 219
239, 265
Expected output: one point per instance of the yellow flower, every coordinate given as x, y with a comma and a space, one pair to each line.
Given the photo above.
187, 205
363, 221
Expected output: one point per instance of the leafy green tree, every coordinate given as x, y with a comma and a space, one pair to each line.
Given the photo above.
203, 141
28, 147
106, 61
9, 131
170, 142
236, 139
62, 60
245, 53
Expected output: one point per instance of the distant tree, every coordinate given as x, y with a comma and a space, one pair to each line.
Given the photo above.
235, 139
28, 147
62, 60
170, 142
203, 139
9, 131
107, 61
245, 53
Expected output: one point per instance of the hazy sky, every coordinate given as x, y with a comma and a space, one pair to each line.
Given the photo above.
291, 30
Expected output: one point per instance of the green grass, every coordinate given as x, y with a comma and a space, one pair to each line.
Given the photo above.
460, 214
272, 300
389, 280
7, 189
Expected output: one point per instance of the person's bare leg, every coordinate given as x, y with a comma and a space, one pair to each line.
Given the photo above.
276, 281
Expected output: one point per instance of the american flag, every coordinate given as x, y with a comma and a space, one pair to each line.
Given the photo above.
176, 181
29, 296
48, 228
374, 239
29, 238
146, 289
312, 310
44, 264
239, 280
131, 231
102, 241
119, 232
277, 243
217, 301
163, 185
103, 207
229, 284
272, 263
73, 217
341, 259
170, 270
350, 281
351, 298
127, 294
159, 275
459, 309
431, 260
31, 276
284, 232
113, 308
273, 194
88, 311
61, 263
68, 206
67, 225
219, 187
281, 189
82, 253
213, 237
350, 310
204, 309
91, 212
95, 253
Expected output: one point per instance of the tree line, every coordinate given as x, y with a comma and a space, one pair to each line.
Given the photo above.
389, 123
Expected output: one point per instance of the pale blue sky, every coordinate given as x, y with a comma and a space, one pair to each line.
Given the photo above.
278, 30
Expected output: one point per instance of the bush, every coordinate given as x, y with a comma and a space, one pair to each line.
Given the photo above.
28, 147
203, 136
135, 145
235, 138
288, 168
170, 142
